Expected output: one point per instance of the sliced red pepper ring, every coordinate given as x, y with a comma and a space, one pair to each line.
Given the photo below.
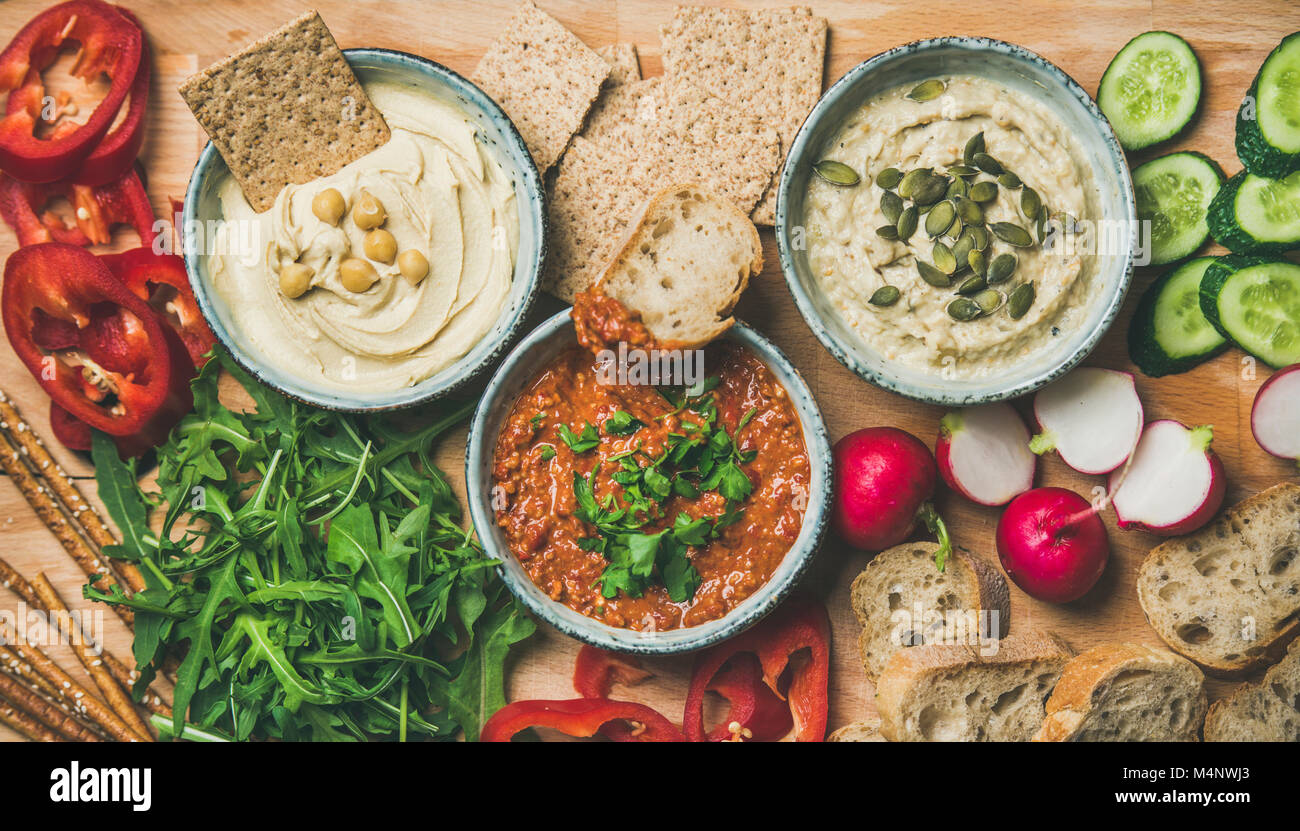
580, 717
72, 432
115, 155
110, 45
127, 375
800, 625
596, 671
756, 713
160, 280
96, 209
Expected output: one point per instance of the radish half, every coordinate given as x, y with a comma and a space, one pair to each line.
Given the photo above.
983, 453
1275, 417
1175, 483
1092, 417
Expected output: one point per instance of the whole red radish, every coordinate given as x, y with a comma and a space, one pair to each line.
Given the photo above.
1052, 544
884, 480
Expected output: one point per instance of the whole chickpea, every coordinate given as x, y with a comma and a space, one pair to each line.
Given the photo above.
295, 279
413, 265
357, 274
368, 212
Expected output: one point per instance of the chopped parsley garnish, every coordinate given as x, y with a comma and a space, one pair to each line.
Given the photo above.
548, 452
588, 439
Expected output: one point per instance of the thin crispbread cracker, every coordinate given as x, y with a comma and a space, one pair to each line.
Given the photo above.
285, 110
544, 78
625, 66
765, 62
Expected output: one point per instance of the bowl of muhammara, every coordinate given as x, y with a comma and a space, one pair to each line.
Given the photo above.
956, 221
655, 501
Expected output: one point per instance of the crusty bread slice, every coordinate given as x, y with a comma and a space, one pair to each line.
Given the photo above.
903, 580
1126, 692
1228, 596
867, 730
1265, 712
952, 693
685, 264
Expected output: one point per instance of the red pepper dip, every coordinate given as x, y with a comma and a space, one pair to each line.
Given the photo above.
660, 471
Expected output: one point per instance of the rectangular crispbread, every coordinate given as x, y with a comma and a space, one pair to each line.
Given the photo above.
286, 110
624, 65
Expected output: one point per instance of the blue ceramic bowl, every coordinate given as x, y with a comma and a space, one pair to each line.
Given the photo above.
1023, 72
517, 371
202, 205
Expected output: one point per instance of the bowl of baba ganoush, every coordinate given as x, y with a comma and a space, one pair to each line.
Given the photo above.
462, 201
956, 221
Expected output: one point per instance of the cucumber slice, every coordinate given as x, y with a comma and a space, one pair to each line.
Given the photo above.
1151, 89
1268, 123
1253, 214
1255, 301
1169, 332
1173, 193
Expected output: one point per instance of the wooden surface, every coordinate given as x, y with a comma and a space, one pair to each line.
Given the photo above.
1231, 38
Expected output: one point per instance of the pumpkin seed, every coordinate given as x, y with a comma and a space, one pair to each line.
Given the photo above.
837, 173
971, 285
963, 170
981, 236
1042, 224
943, 258
940, 219
889, 178
1019, 301
963, 308
1012, 233
927, 90
1030, 203
906, 225
970, 211
891, 205
957, 187
989, 300
885, 296
932, 275
975, 144
987, 163
889, 232
978, 261
984, 191
907, 185
930, 189
964, 245
1009, 180
1001, 268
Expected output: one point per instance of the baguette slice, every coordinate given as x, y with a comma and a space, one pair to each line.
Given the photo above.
903, 581
1126, 692
1265, 712
1228, 596
685, 264
867, 730
952, 694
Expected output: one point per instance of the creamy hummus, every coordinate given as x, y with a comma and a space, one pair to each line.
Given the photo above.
852, 261
445, 197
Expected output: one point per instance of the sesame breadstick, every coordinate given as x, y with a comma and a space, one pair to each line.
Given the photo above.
22, 723
43, 711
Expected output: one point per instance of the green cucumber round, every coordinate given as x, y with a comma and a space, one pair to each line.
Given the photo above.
1256, 215
1169, 332
1151, 89
1173, 194
1268, 123
1255, 302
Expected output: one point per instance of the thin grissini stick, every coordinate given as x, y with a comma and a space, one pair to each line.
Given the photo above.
16, 583
67, 688
43, 711
22, 673
20, 434
90, 658
39, 498
29, 727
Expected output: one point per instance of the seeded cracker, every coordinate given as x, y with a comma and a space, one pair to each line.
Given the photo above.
544, 78
766, 63
286, 110
625, 66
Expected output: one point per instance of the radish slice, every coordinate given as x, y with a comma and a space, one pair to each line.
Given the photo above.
1092, 417
1275, 418
1175, 483
983, 454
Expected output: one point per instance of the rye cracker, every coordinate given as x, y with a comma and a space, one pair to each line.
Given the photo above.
286, 110
544, 78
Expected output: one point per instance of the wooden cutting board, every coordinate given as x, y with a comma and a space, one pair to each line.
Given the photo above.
1231, 38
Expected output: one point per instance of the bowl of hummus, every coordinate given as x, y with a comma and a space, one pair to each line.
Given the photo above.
956, 221
393, 281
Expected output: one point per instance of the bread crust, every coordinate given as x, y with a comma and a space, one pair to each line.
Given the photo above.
1220, 712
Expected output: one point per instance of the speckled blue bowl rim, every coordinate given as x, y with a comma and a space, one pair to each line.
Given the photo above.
531, 194
497, 401
799, 148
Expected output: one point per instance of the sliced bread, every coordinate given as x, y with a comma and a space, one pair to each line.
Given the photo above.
954, 694
1228, 596
687, 261
867, 730
1126, 692
1265, 712
903, 600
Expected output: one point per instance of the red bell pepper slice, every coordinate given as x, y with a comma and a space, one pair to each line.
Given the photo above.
594, 674
114, 156
756, 714
581, 717
133, 372
110, 45
96, 210
801, 624
160, 280
72, 432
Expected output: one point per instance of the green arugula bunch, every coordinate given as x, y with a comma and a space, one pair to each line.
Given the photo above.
310, 574
701, 457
